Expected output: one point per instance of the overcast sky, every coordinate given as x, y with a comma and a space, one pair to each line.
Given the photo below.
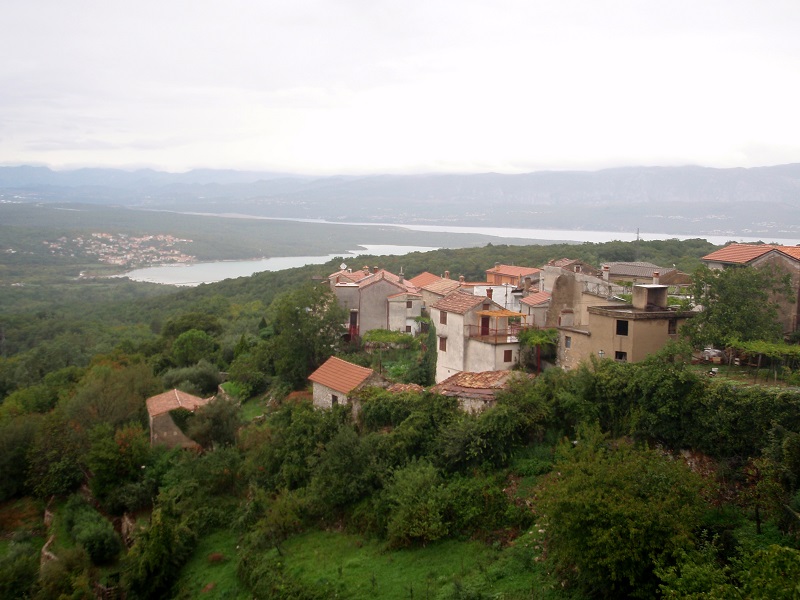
365, 86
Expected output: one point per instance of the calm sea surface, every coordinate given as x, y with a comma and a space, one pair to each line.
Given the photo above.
197, 273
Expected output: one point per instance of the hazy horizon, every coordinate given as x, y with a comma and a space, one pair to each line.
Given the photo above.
340, 88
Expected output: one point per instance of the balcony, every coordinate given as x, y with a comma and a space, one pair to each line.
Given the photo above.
491, 335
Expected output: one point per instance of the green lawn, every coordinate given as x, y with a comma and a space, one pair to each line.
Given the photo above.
359, 568
211, 571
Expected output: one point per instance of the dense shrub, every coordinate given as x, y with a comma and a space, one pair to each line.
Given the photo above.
91, 530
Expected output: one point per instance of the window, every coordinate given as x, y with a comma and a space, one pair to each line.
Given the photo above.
508, 355
443, 344
408, 328
567, 341
672, 327
443, 317
409, 304
622, 327
621, 356
334, 400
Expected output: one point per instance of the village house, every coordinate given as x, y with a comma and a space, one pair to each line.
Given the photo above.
785, 259
376, 299
626, 333
336, 381
163, 430
572, 293
474, 334
436, 290
512, 275
535, 306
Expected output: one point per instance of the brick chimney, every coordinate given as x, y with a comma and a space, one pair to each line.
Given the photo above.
489, 292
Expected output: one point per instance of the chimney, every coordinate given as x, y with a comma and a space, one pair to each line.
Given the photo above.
606, 272
447, 274
656, 277
375, 269
489, 292
526, 286
541, 282
497, 264
460, 279
401, 276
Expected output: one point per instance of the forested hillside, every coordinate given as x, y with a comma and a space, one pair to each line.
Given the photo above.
613, 480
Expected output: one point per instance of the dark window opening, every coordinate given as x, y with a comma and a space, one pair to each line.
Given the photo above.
443, 344
508, 355
443, 317
621, 356
622, 327
672, 327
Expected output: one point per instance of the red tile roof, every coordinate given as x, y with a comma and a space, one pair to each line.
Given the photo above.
536, 298
744, 253
173, 399
513, 271
459, 302
340, 375
424, 279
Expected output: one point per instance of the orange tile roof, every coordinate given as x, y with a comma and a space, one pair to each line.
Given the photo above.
173, 399
513, 271
744, 253
424, 279
459, 302
738, 253
536, 298
340, 375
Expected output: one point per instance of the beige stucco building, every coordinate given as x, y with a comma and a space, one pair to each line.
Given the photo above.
627, 333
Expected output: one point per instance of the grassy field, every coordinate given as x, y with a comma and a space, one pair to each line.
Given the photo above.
211, 571
359, 568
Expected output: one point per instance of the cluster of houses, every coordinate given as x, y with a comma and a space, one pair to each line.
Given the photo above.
477, 324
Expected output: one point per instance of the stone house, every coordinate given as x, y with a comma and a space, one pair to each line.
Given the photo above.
163, 430
336, 380
784, 259
571, 295
365, 295
474, 334
475, 391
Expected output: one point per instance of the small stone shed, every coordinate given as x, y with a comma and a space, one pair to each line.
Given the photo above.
336, 380
475, 391
163, 429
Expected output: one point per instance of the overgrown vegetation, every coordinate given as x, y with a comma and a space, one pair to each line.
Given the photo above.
612, 480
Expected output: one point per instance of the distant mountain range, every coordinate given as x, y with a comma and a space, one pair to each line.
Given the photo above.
759, 202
